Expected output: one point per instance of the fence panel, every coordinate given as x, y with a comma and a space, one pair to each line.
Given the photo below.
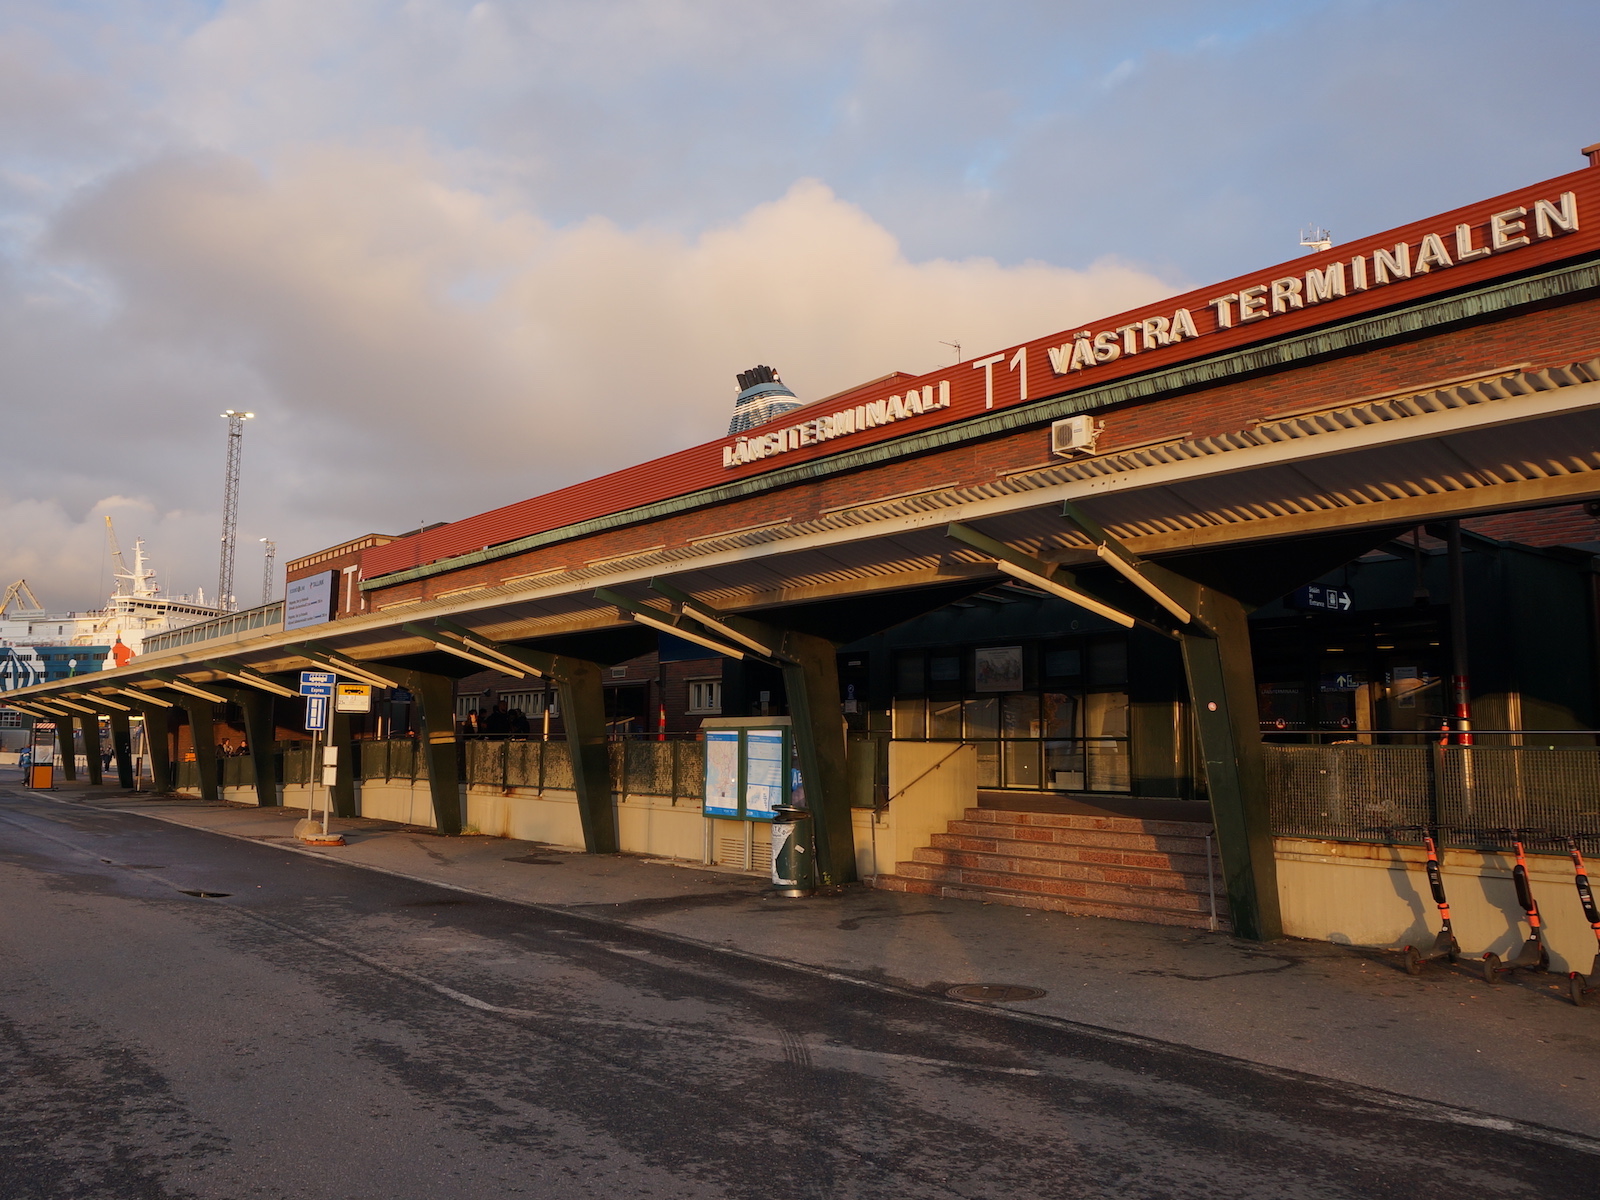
237, 772
557, 766
523, 763
1343, 792
649, 768
297, 766
688, 770
1554, 789
486, 762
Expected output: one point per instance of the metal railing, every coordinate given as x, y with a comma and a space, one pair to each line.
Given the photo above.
1352, 792
262, 617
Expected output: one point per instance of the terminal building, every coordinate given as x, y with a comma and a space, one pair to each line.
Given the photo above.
1180, 614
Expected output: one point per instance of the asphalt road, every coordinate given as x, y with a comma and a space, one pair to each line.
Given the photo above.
304, 1028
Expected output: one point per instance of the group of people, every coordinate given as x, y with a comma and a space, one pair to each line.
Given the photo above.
499, 721
226, 749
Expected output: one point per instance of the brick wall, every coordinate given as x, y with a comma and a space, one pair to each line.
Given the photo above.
1551, 336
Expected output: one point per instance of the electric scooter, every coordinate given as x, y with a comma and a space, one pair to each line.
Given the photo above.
1444, 945
1583, 988
1534, 956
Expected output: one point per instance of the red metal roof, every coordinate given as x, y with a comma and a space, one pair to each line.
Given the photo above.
700, 467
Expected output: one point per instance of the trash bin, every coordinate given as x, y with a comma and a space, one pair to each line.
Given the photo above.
793, 871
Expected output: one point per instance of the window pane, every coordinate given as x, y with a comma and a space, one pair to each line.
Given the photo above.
944, 718
1059, 716
1108, 766
908, 674
982, 718
1063, 766
908, 717
1108, 661
1106, 714
1021, 764
945, 668
988, 764
1063, 664
1019, 715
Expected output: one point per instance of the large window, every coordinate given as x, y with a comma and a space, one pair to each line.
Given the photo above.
1045, 716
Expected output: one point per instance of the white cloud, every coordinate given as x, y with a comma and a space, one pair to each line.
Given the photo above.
417, 350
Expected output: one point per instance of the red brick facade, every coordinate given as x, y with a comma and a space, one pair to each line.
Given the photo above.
1553, 336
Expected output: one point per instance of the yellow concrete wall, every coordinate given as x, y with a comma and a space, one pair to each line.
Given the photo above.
1364, 895
930, 785
527, 815
395, 800
653, 825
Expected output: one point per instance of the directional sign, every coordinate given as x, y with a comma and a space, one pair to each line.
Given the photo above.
317, 683
1323, 599
316, 712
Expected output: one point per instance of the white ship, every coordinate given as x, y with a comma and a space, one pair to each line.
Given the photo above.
136, 610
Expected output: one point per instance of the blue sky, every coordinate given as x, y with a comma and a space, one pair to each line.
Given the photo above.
455, 254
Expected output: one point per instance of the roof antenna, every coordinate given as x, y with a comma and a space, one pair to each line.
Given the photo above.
1316, 239
956, 346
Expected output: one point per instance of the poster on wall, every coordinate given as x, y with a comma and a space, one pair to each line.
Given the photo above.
309, 601
765, 766
997, 669
722, 773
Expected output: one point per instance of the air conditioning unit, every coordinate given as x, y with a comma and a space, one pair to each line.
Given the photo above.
1074, 436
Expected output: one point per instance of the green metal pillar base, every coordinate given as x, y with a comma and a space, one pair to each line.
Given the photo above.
436, 697
122, 749
203, 736
583, 715
260, 735
812, 683
344, 786
1223, 694
90, 724
159, 727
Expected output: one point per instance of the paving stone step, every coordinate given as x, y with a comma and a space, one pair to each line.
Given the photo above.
1063, 868
1074, 905
1001, 816
1024, 884
1071, 836
1146, 859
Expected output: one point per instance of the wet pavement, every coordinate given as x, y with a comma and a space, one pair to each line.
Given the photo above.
215, 1013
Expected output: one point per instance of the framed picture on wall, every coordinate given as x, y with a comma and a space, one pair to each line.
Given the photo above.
997, 669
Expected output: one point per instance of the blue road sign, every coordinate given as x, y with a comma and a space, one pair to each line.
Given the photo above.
317, 683
316, 712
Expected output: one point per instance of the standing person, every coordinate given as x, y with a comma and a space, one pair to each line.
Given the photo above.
499, 722
516, 723
25, 760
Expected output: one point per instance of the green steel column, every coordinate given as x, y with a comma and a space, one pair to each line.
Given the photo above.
69, 748
812, 683
1222, 690
583, 715
435, 697
344, 787
90, 724
158, 730
261, 736
203, 735
122, 749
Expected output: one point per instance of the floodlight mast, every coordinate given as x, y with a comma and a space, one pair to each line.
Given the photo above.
230, 507
269, 553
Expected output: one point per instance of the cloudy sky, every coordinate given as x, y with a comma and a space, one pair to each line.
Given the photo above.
454, 254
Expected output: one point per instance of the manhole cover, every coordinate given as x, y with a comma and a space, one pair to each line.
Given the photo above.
205, 895
994, 992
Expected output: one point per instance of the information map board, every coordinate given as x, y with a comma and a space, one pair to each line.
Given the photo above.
747, 769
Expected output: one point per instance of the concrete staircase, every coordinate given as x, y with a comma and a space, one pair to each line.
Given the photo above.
1099, 866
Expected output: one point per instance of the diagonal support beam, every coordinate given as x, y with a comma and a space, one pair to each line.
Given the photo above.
461, 648
179, 684
583, 716
811, 680
1153, 581
1048, 577
251, 677
678, 625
